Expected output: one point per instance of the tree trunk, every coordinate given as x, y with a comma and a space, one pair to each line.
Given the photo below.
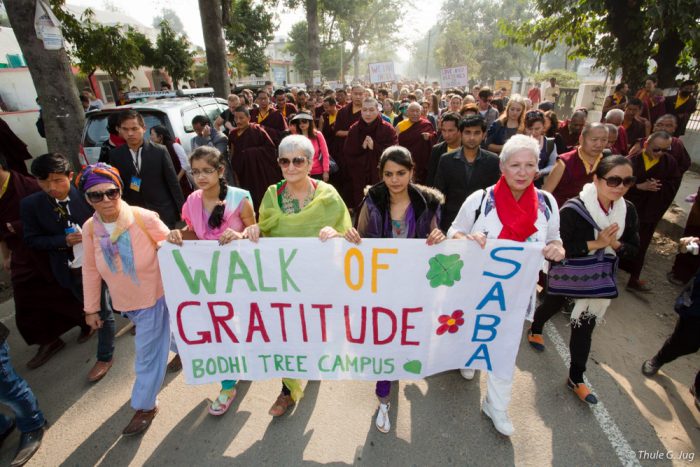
625, 20
51, 73
313, 40
211, 13
356, 63
666, 59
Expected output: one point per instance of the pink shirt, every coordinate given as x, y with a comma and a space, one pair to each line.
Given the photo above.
197, 219
320, 149
126, 295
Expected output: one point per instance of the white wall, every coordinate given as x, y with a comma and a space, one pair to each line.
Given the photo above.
17, 89
8, 44
23, 125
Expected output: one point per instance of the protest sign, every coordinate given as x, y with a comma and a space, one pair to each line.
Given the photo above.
383, 310
503, 83
453, 77
381, 72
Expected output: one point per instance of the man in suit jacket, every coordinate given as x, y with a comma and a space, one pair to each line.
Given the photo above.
465, 170
51, 221
149, 177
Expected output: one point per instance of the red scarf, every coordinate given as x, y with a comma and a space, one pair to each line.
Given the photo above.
518, 217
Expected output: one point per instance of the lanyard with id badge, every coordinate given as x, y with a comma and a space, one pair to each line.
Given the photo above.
135, 183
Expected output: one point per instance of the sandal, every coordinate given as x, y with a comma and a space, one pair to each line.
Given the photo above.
582, 391
220, 405
536, 341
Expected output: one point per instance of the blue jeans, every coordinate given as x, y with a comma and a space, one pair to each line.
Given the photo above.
16, 393
105, 335
152, 345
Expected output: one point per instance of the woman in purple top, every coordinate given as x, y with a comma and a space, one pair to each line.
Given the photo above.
397, 208
220, 212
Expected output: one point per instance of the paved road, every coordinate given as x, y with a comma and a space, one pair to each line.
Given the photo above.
435, 422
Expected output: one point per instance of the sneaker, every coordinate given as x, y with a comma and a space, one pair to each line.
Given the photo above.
382, 422
220, 405
582, 392
467, 373
536, 341
500, 418
650, 367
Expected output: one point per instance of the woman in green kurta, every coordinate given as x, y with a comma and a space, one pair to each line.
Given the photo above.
299, 206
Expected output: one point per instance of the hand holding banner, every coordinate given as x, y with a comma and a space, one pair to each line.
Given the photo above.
382, 310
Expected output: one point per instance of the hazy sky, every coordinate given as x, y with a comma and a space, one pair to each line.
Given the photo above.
416, 22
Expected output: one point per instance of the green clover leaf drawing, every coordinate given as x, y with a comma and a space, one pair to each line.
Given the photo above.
444, 270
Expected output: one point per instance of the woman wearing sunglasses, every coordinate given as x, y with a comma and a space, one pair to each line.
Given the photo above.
299, 206
658, 180
303, 123
603, 199
120, 244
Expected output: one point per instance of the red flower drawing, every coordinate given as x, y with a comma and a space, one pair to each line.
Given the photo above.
450, 323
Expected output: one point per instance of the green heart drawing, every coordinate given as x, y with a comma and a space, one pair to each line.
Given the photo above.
414, 366
444, 270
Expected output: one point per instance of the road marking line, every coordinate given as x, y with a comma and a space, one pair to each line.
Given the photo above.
624, 451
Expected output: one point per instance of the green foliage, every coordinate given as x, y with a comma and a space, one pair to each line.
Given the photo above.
298, 47
173, 53
172, 18
470, 34
248, 33
619, 35
565, 78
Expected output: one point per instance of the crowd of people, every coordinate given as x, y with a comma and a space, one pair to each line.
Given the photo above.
362, 162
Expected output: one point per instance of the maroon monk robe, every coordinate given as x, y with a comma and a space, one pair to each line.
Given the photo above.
274, 123
636, 131
650, 205
318, 112
13, 148
344, 119
570, 139
363, 163
288, 111
254, 160
329, 133
680, 154
420, 148
41, 317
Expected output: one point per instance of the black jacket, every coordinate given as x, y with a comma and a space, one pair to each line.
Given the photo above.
44, 229
576, 232
160, 191
457, 179
435, 155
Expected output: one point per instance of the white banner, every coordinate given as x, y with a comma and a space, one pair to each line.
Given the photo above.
384, 310
381, 72
454, 77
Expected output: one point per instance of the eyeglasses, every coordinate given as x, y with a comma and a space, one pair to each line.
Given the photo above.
615, 181
207, 171
668, 149
297, 161
98, 196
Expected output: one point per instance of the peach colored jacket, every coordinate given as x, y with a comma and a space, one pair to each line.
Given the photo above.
125, 294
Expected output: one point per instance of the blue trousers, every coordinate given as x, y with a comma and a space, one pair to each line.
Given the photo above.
152, 346
105, 335
16, 393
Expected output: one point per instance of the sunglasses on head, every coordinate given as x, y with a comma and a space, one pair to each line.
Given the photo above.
297, 161
534, 114
97, 196
615, 181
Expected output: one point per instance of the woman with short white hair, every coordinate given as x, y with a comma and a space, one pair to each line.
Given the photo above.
512, 209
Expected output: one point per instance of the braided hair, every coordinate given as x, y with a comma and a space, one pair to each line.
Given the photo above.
214, 158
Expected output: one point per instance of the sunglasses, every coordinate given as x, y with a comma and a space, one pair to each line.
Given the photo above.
297, 161
615, 181
661, 149
97, 196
